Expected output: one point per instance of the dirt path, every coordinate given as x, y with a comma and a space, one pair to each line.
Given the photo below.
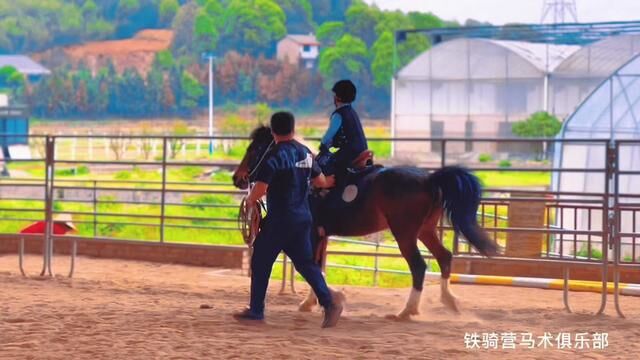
132, 310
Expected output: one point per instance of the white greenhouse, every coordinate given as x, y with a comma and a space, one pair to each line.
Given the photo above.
611, 112
471, 88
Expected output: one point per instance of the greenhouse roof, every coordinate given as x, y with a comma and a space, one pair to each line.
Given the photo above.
602, 58
487, 59
564, 34
539, 54
597, 60
613, 109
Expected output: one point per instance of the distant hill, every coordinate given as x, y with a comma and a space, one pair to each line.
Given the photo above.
137, 53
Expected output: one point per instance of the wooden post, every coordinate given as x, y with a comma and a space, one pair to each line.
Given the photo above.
525, 214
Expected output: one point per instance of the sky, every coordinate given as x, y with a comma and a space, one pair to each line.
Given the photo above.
499, 12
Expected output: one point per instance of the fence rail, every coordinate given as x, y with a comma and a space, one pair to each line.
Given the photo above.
578, 227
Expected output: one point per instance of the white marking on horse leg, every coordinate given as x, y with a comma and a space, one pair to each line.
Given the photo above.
413, 304
412, 307
447, 297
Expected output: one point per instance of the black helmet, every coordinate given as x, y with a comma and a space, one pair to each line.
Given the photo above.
345, 91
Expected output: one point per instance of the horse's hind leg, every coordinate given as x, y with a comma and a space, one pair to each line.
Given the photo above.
429, 236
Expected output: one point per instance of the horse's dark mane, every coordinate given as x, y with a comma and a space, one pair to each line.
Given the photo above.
262, 134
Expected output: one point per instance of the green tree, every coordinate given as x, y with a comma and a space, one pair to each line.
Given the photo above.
10, 76
164, 59
392, 21
253, 25
167, 10
330, 32
207, 25
347, 59
127, 7
89, 10
382, 64
540, 124
409, 49
154, 91
71, 19
263, 113
299, 15
361, 19
324, 10
180, 128
425, 20
130, 94
184, 29
191, 91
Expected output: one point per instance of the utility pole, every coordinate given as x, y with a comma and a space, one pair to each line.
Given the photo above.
210, 58
559, 11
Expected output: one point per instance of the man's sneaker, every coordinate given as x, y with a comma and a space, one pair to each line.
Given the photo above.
332, 315
248, 315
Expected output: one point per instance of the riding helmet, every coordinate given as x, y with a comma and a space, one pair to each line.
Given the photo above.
345, 91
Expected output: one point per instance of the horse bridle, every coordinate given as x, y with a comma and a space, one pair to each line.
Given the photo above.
264, 155
249, 217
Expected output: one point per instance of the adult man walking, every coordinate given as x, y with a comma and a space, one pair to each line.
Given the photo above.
284, 176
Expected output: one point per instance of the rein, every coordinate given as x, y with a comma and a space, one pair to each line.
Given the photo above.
249, 217
264, 155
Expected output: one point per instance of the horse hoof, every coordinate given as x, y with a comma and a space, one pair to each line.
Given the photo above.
306, 306
451, 303
403, 316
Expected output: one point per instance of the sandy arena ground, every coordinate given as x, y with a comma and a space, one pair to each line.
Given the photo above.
131, 310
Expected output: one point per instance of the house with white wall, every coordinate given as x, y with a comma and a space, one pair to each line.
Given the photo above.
300, 50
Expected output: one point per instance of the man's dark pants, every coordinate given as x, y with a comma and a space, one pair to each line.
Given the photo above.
294, 238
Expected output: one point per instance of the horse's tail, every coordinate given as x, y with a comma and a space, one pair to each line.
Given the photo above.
459, 192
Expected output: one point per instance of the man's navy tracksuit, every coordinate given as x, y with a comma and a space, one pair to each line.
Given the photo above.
287, 169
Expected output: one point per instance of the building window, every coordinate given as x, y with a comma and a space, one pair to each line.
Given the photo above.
306, 48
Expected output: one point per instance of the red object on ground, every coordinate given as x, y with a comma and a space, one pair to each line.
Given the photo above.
38, 227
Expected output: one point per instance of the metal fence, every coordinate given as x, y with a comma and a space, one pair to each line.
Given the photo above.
579, 228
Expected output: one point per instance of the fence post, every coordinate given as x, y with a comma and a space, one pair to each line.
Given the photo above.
615, 222
50, 146
443, 159
95, 209
443, 162
74, 145
164, 187
154, 151
375, 260
90, 144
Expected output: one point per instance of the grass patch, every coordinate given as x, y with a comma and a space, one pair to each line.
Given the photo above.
514, 178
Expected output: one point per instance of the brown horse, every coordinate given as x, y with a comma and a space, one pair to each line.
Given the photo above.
406, 200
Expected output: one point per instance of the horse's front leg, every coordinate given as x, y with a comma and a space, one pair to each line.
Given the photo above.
309, 302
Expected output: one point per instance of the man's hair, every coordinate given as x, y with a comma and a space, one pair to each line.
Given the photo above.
282, 123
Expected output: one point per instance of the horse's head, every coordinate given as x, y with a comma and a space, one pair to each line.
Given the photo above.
261, 138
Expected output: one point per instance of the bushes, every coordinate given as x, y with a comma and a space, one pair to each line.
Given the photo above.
595, 253
81, 170
504, 164
484, 158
